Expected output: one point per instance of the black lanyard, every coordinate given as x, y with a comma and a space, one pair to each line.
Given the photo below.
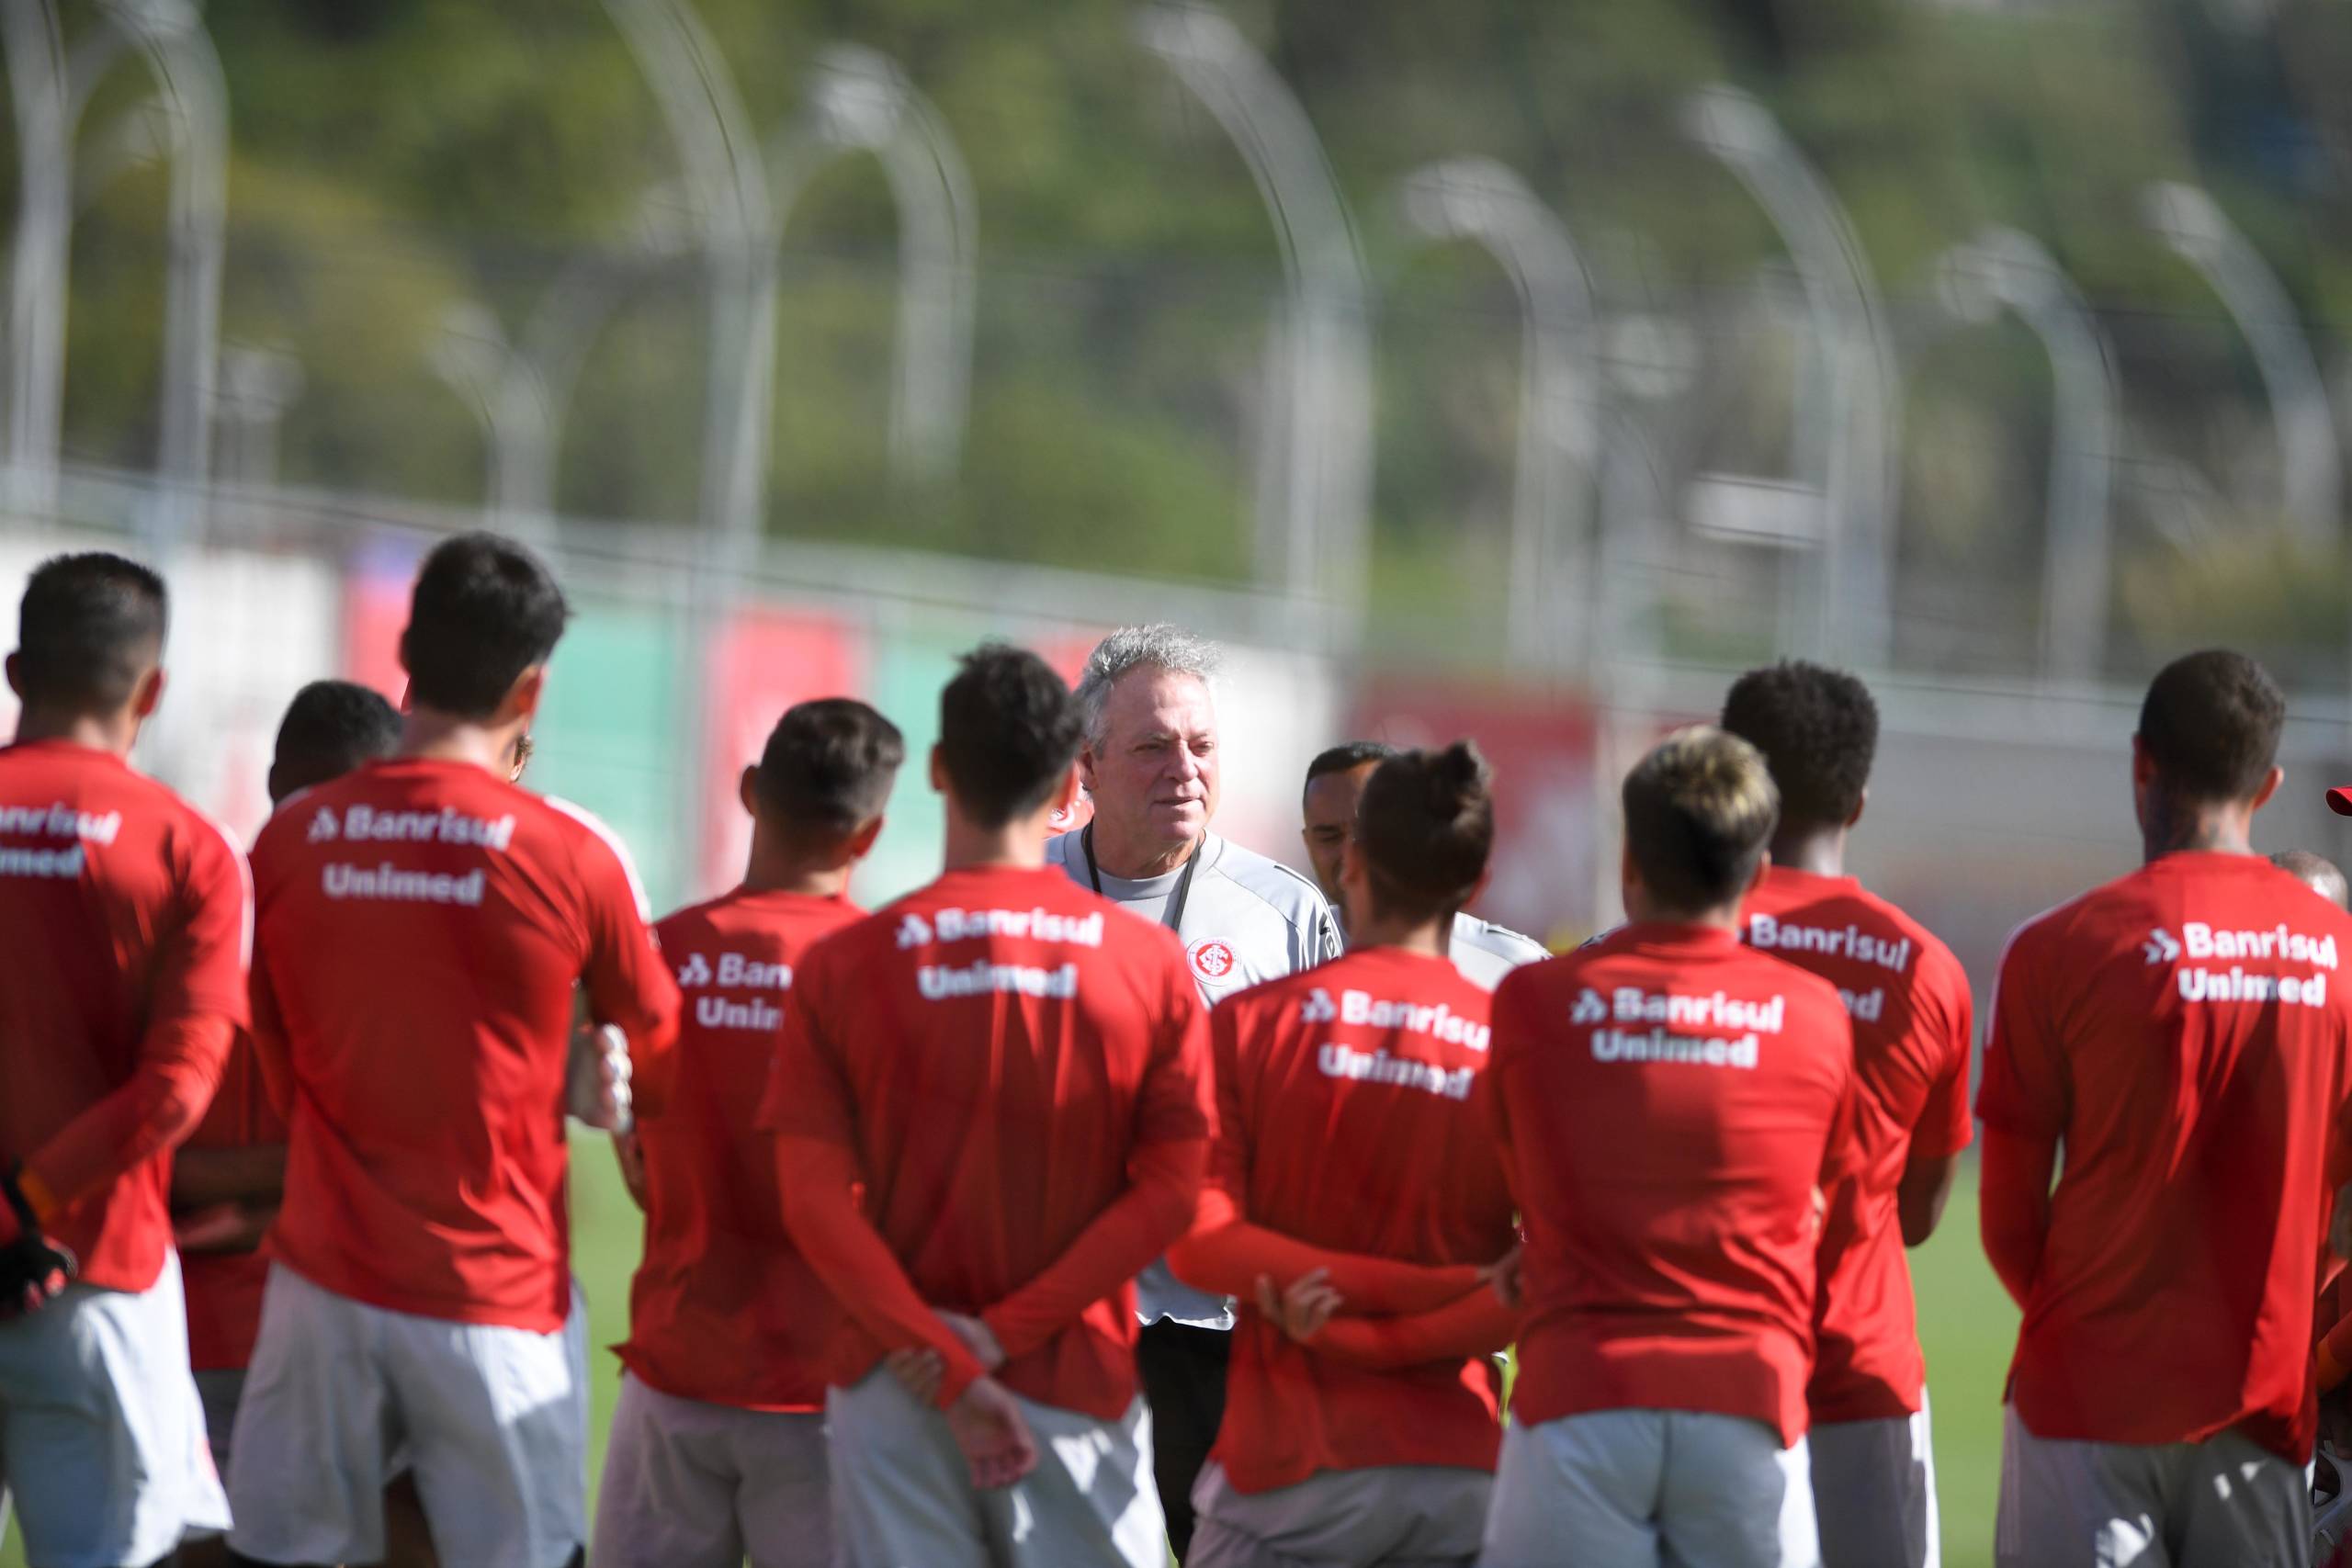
1173, 917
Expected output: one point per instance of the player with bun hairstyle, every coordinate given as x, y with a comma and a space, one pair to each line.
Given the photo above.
1355, 1201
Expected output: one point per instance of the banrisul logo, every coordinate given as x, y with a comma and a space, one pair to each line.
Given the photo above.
1589, 1008
695, 971
322, 826
1318, 1007
2162, 947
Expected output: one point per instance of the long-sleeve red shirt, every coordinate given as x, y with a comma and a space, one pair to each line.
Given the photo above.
1348, 1119
992, 1098
126, 926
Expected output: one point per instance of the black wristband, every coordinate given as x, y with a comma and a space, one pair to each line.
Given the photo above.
26, 1221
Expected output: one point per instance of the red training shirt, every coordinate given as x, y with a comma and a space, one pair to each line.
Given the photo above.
1348, 1118
224, 1289
1015, 1068
1914, 1024
1671, 1101
125, 924
723, 1308
422, 925
2183, 1033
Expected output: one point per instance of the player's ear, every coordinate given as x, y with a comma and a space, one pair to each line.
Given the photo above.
938, 772
1629, 882
523, 696
861, 843
148, 694
15, 682
1085, 766
402, 653
1756, 877
747, 788
2270, 787
1862, 803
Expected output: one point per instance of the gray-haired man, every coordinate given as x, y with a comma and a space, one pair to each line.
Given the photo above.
1151, 766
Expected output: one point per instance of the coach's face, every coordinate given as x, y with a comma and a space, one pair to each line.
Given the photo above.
1154, 771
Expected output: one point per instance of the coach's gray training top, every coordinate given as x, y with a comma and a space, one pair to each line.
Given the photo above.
1246, 920
1486, 952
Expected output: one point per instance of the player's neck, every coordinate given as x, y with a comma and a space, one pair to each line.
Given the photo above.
806, 878
115, 733
2171, 825
1432, 937
1819, 852
1018, 845
1130, 861
434, 736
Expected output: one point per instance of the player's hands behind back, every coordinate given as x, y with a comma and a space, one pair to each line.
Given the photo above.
34, 1270
994, 1434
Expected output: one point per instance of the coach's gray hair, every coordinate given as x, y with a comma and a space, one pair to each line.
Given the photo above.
1161, 646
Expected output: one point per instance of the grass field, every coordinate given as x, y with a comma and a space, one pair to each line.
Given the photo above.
1965, 1322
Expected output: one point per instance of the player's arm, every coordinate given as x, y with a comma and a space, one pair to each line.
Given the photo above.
1476, 1324
810, 1108
2024, 1103
628, 983
1173, 1123
1226, 1254
1843, 1162
197, 1005
1945, 1125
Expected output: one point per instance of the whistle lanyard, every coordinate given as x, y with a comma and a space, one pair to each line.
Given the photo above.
1174, 918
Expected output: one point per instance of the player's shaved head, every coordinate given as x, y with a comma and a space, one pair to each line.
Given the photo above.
485, 610
1818, 730
1008, 731
331, 727
1699, 811
89, 630
2317, 872
1425, 826
827, 768
2210, 727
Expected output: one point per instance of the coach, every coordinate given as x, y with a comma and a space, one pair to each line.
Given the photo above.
1152, 765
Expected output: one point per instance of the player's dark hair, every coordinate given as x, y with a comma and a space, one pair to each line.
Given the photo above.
331, 727
484, 610
1426, 826
828, 767
1009, 730
1819, 731
1699, 811
89, 627
1346, 756
2211, 725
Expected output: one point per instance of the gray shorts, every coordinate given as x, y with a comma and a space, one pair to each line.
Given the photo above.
693, 1486
2069, 1504
101, 1433
1405, 1515
1651, 1489
902, 1498
492, 1420
1875, 1492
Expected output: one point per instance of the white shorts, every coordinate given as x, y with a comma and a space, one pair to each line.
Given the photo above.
689, 1484
492, 1421
101, 1433
2069, 1504
1645, 1488
1875, 1492
902, 1498
1403, 1516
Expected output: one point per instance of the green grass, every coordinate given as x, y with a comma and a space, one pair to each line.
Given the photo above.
1965, 1322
